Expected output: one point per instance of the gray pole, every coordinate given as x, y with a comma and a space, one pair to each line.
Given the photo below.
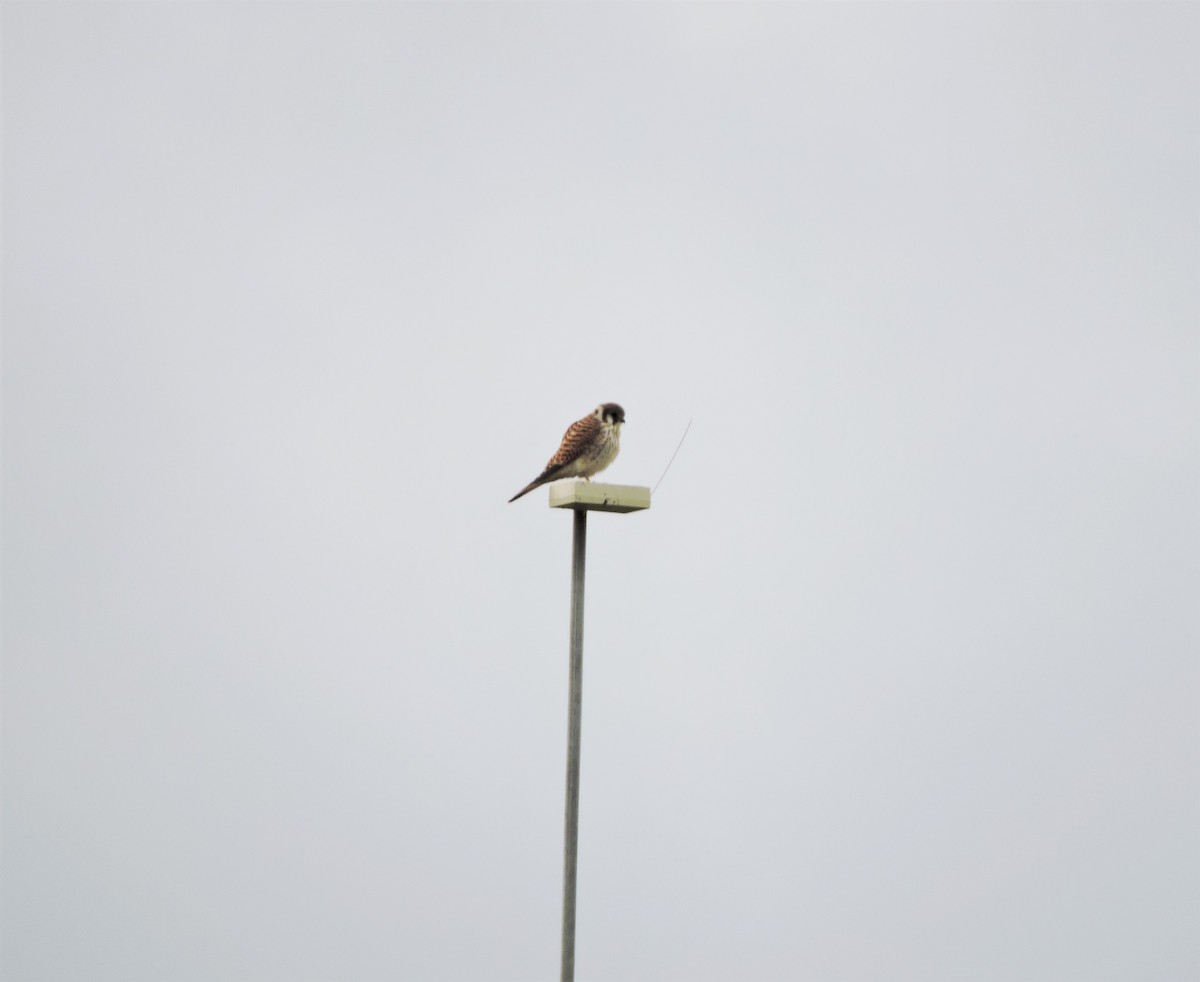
571, 832
581, 497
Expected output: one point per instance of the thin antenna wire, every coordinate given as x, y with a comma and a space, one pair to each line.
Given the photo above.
672, 460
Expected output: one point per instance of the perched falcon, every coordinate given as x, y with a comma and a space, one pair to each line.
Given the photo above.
589, 445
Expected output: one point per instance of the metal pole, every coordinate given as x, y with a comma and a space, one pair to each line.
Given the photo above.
571, 832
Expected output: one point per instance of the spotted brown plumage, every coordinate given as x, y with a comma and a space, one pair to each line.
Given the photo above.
589, 445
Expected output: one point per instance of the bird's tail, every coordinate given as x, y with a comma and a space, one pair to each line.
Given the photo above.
529, 487
548, 475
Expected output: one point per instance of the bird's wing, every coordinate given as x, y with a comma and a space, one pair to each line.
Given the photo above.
577, 438
574, 442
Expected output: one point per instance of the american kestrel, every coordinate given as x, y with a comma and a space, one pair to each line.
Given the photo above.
589, 445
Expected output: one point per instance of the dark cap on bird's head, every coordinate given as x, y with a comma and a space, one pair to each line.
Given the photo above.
610, 412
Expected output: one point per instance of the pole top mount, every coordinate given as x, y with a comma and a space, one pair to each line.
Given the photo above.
590, 496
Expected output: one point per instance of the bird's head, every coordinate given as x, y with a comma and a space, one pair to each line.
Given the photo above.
610, 412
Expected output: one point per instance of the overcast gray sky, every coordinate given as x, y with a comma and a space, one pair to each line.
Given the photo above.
897, 680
